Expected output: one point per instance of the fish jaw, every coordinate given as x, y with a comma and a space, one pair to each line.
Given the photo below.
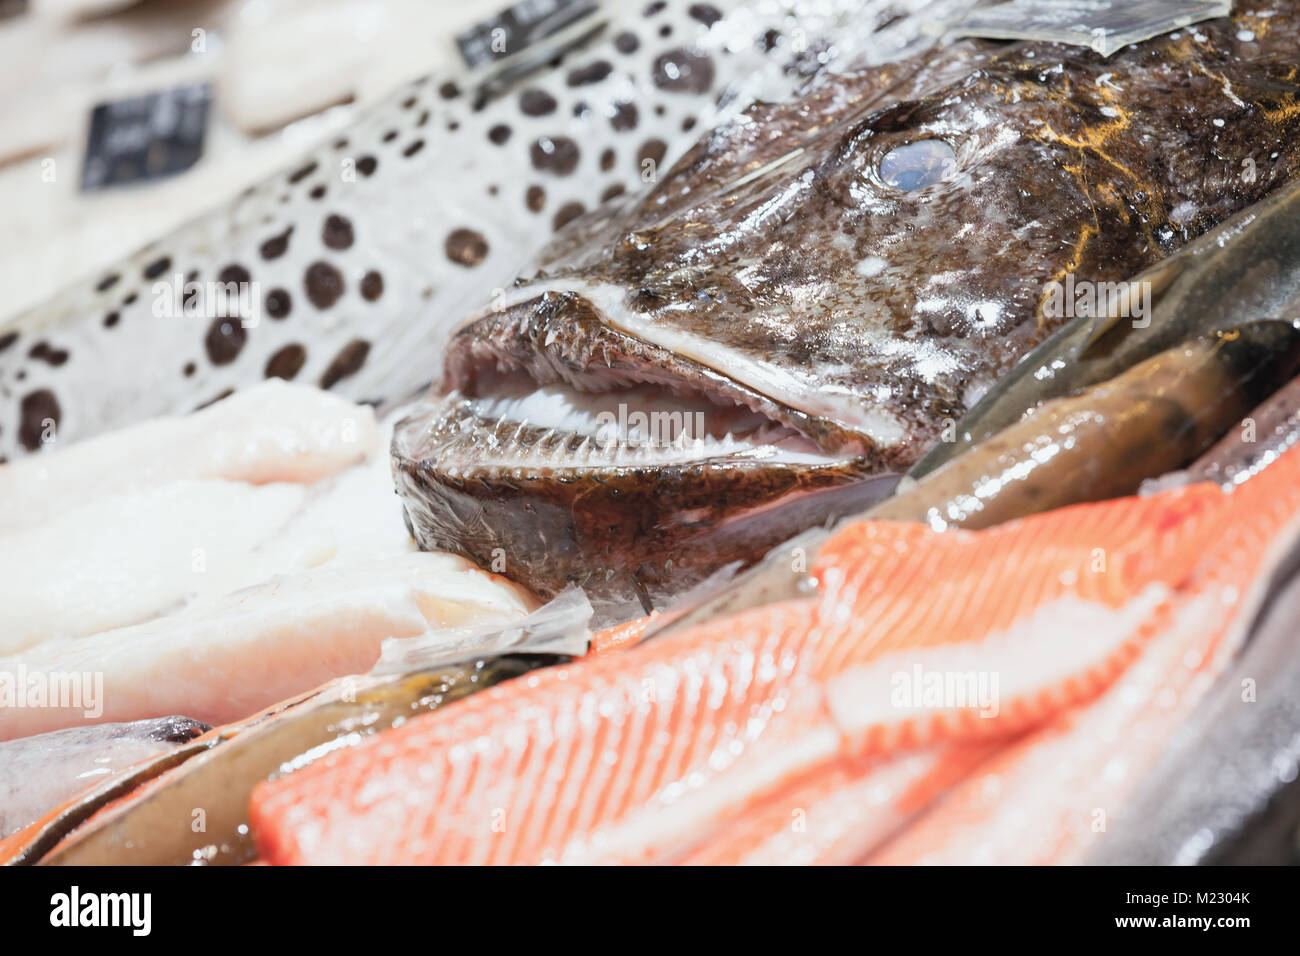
567, 451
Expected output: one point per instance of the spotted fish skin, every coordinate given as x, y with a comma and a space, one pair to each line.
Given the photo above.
357, 256
781, 269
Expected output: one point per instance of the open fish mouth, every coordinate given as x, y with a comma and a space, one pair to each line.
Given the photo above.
566, 451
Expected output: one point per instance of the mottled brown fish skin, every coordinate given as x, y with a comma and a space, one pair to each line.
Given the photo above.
1067, 162
777, 267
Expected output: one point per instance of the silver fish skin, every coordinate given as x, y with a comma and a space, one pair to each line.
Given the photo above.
39, 773
351, 264
1247, 269
1227, 789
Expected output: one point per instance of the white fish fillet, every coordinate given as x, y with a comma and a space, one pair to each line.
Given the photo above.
220, 660
271, 432
129, 558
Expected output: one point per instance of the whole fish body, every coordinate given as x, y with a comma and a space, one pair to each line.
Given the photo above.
941, 194
650, 754
345, 269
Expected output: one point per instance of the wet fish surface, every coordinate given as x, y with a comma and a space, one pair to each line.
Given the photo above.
1105, 442
1247, 269
942, 194
156, 829
343, 270
38, 773
699, 728
1225, 791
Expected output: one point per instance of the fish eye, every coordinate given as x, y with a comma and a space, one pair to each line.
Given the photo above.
917, 165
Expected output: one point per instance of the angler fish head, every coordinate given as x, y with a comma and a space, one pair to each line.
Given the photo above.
810, 297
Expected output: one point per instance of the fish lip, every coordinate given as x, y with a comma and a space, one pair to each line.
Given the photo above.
561, 338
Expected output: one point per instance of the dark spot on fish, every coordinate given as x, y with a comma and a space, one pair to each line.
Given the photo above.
688, 124
107, 282
706, 13
341, 143
156, 268
449, 90
366, 165
189, 369
130, 299
422, 119
324, 284
372, 286
413, 148
666, 31
536, 103
44, 352
112, 319
659, 109
535, 198
499, 134
224, 393
347, 362
613, 192
683, 71
558, 155
286, 363
581, 109
390, 136
626, 43
567, 213
233, 273
409, 102
768, 41
276, 246
466, 247
453, 126
299, 175
37, 410
224, 341
624, 116
591, 73
654, 8
278, 303
337, 232
8, 339
607, 159
653, 150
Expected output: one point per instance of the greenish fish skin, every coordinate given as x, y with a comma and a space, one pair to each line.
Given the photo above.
1104, 442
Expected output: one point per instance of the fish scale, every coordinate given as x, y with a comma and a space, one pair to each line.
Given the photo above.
360, 255
792, 689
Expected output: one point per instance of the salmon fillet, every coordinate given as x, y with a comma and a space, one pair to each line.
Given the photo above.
646, 755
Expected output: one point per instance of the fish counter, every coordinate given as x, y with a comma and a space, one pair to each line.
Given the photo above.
750, 432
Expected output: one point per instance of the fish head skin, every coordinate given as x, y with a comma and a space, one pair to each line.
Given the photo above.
827, 282
348, 267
